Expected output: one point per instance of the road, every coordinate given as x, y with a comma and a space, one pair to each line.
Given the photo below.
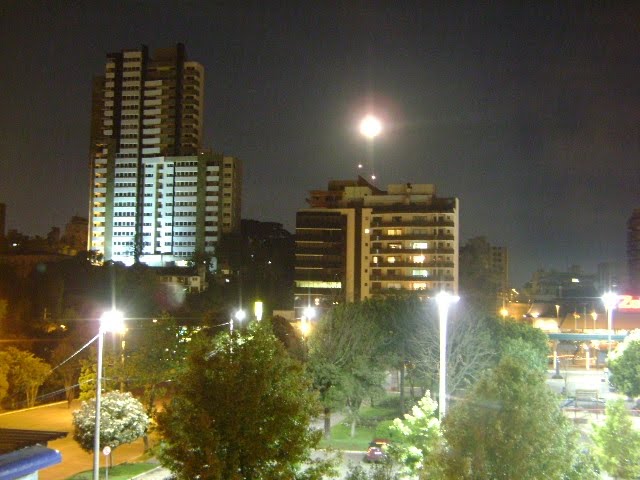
57, 417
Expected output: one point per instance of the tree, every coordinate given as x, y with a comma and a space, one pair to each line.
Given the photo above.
241, 410
122, 420
402, 318
511, 336
618, 442
66, 367
470, 349
26, 373
625, 366
510, 426
153, 356
417, 440
344, 351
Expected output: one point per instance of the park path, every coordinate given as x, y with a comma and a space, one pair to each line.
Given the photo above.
57, 417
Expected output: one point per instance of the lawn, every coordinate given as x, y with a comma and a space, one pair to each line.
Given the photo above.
366, 429
119, 472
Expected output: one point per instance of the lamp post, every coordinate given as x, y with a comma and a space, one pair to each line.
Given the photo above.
111, 321
594, 315
609, 299
308, 314
370, 128
444, 300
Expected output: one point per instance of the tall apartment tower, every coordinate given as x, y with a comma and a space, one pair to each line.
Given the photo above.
633, 250
155, 197
357, 241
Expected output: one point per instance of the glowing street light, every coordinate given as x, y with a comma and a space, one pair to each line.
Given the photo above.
444, 300
370, 127
111, 321
610, 300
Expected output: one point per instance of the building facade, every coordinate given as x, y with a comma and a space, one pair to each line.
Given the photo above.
155, 196
357, 241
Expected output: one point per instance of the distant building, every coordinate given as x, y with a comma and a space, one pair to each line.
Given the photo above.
612, 276
484, 270
155, 195
357, 241
75, 234
633, 250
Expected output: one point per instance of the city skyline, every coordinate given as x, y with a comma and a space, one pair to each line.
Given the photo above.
529, 115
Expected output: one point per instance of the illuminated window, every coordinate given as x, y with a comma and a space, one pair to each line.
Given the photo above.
394, 231
420, 273
419, 286
420, 245
418, 259
391, 260
375, 259
395, 246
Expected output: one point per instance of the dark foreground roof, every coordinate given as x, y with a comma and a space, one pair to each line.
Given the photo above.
26, 461
12, 439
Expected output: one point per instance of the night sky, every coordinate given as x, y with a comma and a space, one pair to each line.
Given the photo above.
530, 115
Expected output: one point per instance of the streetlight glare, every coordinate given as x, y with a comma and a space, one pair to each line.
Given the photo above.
610, 300
112, 321
370, 126
309, 312
443, 300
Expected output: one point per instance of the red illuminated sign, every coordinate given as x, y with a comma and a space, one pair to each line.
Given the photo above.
628, 302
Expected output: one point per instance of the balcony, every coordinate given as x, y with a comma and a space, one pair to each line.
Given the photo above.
414, 251
408, 264
411, 278
416, 236
411, 223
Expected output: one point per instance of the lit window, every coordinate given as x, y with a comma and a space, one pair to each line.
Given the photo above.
420, 245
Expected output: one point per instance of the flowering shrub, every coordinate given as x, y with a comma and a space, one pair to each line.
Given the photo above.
122, 420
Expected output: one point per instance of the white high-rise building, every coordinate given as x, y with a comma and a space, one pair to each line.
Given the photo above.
155, 197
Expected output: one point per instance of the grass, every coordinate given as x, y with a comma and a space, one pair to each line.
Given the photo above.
370, 417
120, 472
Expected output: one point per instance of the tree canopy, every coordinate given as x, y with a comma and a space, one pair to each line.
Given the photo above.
345, 357
625, 366
417, 440
510, 426
241, 410
25, 374
618, 442
122, 420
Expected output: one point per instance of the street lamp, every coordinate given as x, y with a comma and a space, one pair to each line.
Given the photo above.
111, 321
610, 300
370, 128
444, 300
594, 315
240, 315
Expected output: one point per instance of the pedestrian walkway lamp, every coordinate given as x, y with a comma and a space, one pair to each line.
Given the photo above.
111, 321
444, 300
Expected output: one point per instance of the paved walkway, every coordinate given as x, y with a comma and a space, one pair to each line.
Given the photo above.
57, 417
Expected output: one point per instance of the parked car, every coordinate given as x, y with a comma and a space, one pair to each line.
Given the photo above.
376, 451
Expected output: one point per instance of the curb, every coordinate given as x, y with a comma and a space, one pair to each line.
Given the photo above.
143, 475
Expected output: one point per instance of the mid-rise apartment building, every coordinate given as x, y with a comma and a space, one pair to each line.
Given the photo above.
357, 241
155, 196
